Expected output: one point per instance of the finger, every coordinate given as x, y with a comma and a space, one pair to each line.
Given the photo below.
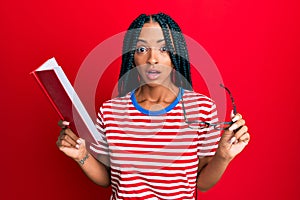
80, 143
63, 140
68, 136
233, 140
62, 132
237, 125
241, 132
60, 143
63, 124
240, 145
71, 134
232, 114
228, 137
237, 117
65, 143
245, 138
67, 139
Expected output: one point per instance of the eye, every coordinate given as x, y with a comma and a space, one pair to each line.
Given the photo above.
141, 49
163, 49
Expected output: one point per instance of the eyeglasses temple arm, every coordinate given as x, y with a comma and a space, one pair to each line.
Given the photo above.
231, 97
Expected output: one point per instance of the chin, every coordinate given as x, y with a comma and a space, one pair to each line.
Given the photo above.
152, 84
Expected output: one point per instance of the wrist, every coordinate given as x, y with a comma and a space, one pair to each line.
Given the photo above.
83, 160
223, 158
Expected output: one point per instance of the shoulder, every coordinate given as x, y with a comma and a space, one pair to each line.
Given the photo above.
192, 96
116, 102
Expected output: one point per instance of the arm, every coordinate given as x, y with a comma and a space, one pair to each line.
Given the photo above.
232, 142
75, 148
211, 171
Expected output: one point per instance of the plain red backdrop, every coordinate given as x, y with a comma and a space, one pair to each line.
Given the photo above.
255, 45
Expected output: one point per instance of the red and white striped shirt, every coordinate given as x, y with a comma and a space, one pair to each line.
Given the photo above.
154, 154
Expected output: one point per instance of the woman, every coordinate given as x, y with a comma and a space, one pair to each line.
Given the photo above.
158, 139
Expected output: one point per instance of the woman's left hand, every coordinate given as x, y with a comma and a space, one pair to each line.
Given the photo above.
234, 139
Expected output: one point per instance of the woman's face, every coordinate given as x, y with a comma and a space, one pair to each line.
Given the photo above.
151, 57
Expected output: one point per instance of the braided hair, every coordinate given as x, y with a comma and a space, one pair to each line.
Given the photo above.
175, 43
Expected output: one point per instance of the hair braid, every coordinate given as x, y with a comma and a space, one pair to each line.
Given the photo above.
167, 31
180, 58
128, 78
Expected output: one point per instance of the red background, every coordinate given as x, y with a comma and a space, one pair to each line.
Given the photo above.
255, 45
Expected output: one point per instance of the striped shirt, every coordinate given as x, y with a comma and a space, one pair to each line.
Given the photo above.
154, 154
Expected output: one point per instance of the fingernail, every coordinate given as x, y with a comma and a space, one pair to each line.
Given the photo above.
66, 123
232, 113
232, 140
233, 127
235, 118
78, 141
77, 146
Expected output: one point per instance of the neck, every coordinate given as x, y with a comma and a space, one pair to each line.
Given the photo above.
157, 93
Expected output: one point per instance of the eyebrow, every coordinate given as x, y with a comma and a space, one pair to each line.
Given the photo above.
144, 41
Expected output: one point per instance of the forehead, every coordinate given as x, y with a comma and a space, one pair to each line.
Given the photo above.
151, 32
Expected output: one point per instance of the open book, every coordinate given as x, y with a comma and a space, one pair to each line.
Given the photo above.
65, 100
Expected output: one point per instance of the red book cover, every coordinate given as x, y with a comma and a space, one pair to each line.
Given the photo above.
55, 84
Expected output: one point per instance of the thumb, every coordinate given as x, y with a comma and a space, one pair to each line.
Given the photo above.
232, 114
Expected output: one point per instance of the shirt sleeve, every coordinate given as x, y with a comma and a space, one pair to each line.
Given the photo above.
101, 147
208, 138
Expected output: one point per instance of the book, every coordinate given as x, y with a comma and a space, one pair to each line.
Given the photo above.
57, 87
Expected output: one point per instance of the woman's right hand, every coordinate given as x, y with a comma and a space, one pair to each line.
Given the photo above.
69, 143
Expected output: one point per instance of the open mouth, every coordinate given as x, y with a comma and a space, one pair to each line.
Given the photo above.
153, 74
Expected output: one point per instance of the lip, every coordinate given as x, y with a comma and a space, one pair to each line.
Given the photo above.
152, 74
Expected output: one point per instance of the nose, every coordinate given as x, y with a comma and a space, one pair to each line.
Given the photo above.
152, 57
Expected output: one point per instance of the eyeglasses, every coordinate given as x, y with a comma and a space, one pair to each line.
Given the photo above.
198, 125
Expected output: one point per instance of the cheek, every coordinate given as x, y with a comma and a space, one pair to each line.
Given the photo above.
169, 70
138, 60
167, 61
